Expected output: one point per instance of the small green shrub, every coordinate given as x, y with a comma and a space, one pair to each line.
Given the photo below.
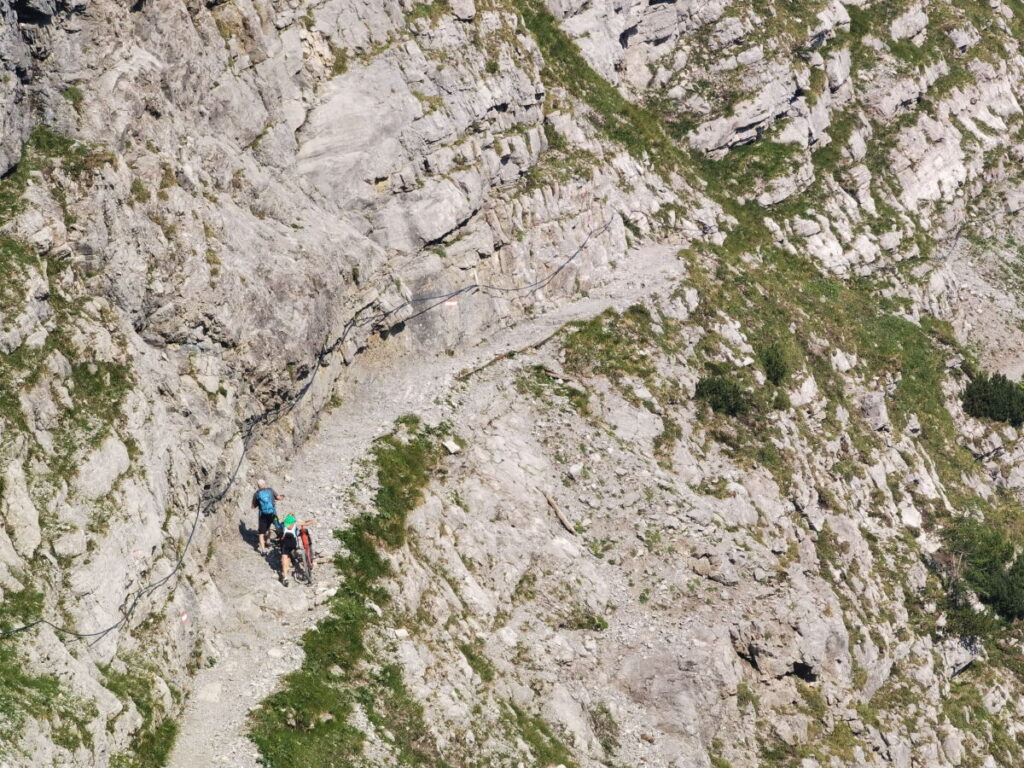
723, 394
775, 364
140, 193
990, 565
339, 65
581, 617
605, 727
995, 398
74, 96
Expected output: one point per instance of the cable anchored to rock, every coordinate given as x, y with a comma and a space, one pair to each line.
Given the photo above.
132, 600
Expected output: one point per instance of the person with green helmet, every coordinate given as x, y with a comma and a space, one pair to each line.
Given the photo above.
290, 528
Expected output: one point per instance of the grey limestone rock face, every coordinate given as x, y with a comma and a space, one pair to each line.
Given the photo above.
210, 211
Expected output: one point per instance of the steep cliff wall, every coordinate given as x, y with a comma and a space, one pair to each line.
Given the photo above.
210, 209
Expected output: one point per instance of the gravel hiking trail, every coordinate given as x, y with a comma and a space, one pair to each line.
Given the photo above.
257, 620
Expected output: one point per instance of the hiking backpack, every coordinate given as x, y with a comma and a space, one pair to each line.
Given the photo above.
265, 499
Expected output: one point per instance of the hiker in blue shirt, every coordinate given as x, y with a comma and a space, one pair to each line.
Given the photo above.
263, 500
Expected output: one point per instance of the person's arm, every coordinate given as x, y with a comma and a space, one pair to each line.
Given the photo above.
308, 522
277, 496
255, 503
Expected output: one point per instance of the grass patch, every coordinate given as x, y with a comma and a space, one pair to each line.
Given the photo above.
476, 659
746, 167
582, 618
24, 696
432, 12
306, 722
139, 191
640, 131
546, 747
151, 745
991, 564
74, 96
622, 348
538, 382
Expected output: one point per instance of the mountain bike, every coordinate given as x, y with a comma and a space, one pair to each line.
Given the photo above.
302, 558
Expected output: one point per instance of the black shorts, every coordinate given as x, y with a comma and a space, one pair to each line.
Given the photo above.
266, 521
288, 546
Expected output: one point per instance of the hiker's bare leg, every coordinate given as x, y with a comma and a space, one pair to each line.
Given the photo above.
286, 566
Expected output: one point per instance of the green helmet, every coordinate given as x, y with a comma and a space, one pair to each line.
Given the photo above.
290, 520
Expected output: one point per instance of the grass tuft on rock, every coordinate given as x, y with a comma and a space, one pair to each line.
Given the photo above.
640, 131
723, 394
152, 742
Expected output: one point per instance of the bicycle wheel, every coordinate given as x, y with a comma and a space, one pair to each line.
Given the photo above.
307, 565
306, 546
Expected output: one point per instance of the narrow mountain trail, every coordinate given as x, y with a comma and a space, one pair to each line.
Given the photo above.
259, 621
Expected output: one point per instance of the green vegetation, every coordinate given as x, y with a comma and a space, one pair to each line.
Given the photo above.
775, 361
608, 346
50, 151
139, 191
433, 11
24, 695
538, 382
560, 162
605, 727
74, 96
967, 711
723, 394
991, 564
479, 663
745, 697
623, 348
47, 152
339, 65
640, 131
306, 722
582, 618
96, 390
16, 260
995, 397
151, 745
546, 747
22, 607
744, 167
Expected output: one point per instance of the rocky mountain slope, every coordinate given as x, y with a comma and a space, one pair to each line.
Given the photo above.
790, 545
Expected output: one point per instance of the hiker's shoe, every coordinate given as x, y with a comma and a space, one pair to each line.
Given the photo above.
284, 582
